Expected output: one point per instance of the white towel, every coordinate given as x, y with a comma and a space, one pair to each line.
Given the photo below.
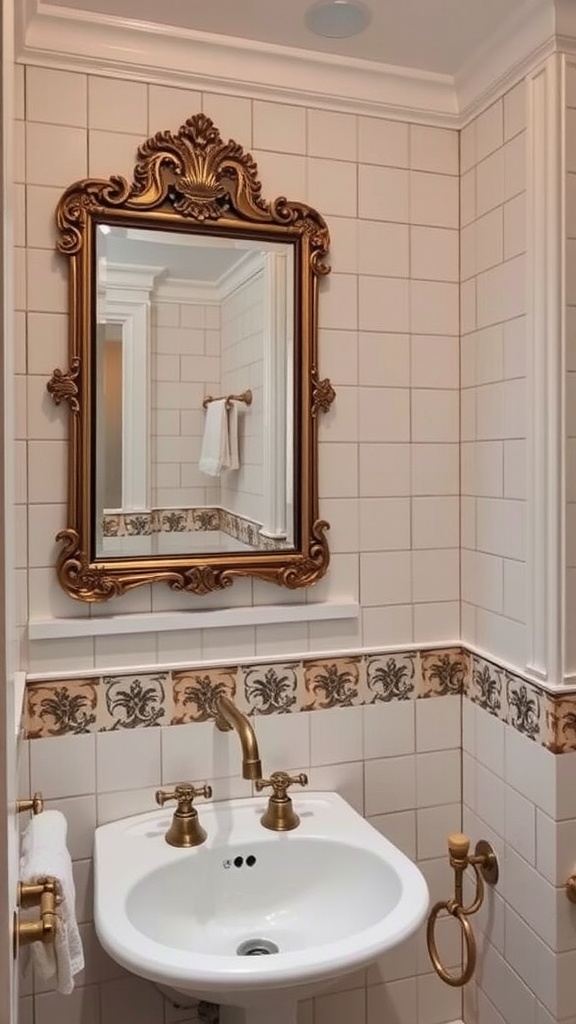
233, 453
220, 440
45, 854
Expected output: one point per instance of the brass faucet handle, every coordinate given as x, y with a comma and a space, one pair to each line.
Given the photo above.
184, 792
280, 782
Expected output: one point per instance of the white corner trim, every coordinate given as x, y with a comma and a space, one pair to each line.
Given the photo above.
524, 40
161, 622
107, 45
545, 380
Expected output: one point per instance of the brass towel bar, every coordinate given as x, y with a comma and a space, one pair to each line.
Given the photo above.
35, 804
244, 396
43, 894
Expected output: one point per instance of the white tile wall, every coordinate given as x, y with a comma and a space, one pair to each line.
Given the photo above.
493, 412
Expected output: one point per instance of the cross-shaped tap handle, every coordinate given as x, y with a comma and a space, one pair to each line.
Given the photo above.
183, 792
280, 782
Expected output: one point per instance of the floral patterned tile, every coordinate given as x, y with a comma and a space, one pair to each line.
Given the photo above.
196, 693
61, 708
443, 672
273, 689
133, 702
561, 721
526, 708
333, 683
487, 687
392, 677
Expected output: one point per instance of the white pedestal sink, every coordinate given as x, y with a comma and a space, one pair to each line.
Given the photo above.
253, 920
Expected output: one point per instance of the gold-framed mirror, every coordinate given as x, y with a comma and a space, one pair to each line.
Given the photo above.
193, 388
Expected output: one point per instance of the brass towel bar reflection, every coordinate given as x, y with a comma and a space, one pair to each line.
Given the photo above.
244, 396
485, 866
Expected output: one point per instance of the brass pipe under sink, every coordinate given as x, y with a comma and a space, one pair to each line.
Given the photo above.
229, 717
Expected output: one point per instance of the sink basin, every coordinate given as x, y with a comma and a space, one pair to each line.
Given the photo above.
322, 900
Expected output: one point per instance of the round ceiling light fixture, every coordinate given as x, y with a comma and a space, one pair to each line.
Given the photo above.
338, 19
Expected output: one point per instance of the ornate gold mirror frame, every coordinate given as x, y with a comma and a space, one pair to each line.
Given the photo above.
191, 182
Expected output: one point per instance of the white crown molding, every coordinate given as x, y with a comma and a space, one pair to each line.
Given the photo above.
107, 45
521, 43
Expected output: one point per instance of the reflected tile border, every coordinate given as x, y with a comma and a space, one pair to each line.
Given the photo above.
107, 703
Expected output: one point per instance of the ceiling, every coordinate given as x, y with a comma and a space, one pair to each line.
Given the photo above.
431, 35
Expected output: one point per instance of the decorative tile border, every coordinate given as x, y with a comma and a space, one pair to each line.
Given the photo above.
547, 718
108, 703
188, 520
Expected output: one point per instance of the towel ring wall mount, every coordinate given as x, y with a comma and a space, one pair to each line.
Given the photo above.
191, 192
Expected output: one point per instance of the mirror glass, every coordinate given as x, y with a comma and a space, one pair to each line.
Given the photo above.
194, 393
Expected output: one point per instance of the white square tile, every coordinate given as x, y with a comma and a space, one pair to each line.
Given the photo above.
340, 423
384, 524
232, 116
281, 174
434, 825
520, 824
332, 186
437, 778
47, 282
80, 814
384, 414
434, 200
169, 108
339, 302
383, 142
435, 575
383, 193
468, 197
387, 625
515, 226
336, 736
346, 779
385, 578
340, 1008
515, 110
489, 130
434, 253
383, 359
339, 356
41, 204
116, 105
438, 723
50, 761
326, 131
435, 415
489, 231
434, 149
344, 245
434, 308
490, 183
338, 470
280, 127
55, 154
435, 522
47, 471
383, 248
390, 784
112, 153
384, 470
56, 97
435, 469
384, 304
284, 741
434, 361
515, 164
396, 1001
436, 621
128, 759
389, 729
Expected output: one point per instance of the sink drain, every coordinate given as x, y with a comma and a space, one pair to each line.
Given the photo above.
257, 947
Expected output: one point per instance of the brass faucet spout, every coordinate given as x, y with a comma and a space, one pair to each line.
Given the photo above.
229, 717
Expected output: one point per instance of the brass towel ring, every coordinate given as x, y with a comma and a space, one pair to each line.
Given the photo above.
485, 866
456, 980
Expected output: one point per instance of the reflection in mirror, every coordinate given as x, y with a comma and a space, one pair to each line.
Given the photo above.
183, 318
